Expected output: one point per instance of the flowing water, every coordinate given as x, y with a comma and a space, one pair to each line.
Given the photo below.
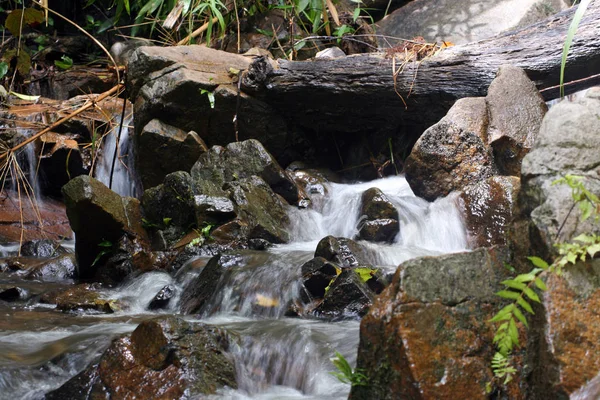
276, 357
123, 180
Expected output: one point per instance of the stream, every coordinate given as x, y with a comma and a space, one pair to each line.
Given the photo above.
276, 357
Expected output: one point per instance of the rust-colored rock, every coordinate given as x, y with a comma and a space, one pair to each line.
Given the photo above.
83, 297
164, 358
487, 208
569, 356
54, 223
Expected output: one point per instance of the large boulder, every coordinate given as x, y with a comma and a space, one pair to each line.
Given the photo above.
427, 336
240, 160
487, 208
567, 354
453, 153
463, 22
342, 251
568, 143
98, 215
161, 149
166, 356
516, 110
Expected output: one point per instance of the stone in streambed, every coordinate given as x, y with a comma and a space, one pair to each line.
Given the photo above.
162, 298
166, 356
42, 248
427, 335
58, 268
82, 297
14, 294
344, 252
97, 214
161, 149
347, 297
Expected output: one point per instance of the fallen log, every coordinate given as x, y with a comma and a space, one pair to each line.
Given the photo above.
359, 93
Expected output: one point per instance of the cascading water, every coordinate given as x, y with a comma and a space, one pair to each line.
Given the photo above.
276, 357
123, 180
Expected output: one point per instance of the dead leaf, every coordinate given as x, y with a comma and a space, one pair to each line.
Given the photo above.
265, 301
29, 16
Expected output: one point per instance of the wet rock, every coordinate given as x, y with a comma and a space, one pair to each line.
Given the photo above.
241, 160
427, 335
347, 297
451, 154
567, 144
568, 353
259, 244
14, 294
312, 183
42, 248
161, 149
97, 214
487, 208
61, 159
56, 224
213, 209
516, 110
169, 207
166, 355
262, 210
345, 252
162, 298
317, 275
200, 290
379, 230
58, 268
82, 297
376, 205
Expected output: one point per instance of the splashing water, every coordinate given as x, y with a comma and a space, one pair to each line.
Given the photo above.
124, 181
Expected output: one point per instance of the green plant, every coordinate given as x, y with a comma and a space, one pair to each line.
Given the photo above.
64, 63
210, 95
346, 374
567, 45
106, 247
521, 290
203, 236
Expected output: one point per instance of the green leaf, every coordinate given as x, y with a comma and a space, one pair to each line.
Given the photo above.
540, 284
65, 62
567, 45
508, 294
25, 96
3, 69
503, 313
513, 332
525, 305
514, 284
531, 294
520, 317
525, 277
105, 243
593, 249
538, 262
365, 273
167, 221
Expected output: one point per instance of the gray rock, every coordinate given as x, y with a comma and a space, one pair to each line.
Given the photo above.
461, 22
58, 268
98, 214
213, 209
381, 217
342, 251
568, 143
516, 110
379, 230
161, 149
348, 297
42, 248
241, 160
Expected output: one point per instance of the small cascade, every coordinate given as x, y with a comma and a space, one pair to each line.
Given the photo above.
124, 181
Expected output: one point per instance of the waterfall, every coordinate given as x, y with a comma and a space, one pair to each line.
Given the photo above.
124, 181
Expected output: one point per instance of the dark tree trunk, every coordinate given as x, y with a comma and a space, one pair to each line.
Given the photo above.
356, 93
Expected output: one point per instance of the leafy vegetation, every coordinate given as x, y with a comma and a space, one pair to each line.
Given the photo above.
346, 374
521, 290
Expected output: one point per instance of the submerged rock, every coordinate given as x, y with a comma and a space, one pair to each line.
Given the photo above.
162, 298
82, 297
166, 356
427, 335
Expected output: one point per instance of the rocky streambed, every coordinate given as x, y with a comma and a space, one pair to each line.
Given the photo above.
209, 271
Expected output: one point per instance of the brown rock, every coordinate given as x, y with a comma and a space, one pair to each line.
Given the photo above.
487, 209
451, 154
516, 110
83, 297
569, 355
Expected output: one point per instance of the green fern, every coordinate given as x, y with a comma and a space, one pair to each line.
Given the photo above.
521, 290
346, 374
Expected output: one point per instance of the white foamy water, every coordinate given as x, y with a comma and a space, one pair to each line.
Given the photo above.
123, 181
